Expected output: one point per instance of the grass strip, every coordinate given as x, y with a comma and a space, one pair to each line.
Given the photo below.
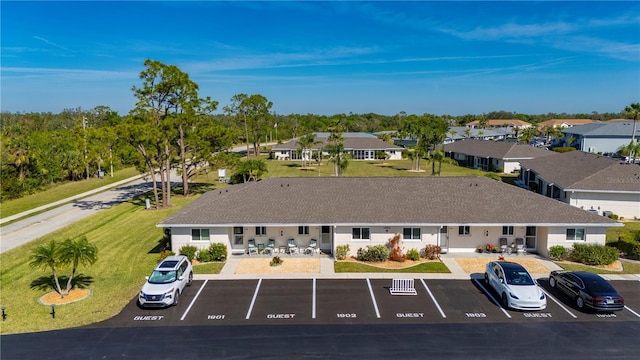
354, 267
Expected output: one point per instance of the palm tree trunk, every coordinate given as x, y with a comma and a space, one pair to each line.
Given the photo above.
55, 278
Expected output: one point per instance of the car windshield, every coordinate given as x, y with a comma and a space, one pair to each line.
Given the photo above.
517, 277
162, 277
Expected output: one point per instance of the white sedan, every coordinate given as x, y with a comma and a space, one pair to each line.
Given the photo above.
514, 285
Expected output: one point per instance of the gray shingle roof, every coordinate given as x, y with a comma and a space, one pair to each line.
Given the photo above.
585, 171
600, 129
496, 149
349, 143
377, 200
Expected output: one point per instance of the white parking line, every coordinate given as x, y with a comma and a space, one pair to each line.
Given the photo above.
313, 300
633, 312
559, 304
253, 300
433, 298
492, 298
194, 300
373, 298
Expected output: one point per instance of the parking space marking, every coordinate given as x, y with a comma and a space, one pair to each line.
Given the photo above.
433, 298
313, 299
633, 312
492, 298
194, 300
253, 300
557, 302
373, 298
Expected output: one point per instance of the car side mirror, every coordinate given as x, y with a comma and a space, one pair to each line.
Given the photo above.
180, 278
146, 278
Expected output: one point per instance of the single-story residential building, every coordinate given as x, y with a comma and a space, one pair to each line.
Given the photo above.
564, 123
494, 123
601, 137
587, 181
456, 213
493, 155
362, 146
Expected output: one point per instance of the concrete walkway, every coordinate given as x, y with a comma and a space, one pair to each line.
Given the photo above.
228, 272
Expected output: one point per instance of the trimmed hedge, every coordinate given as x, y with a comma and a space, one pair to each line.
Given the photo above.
189, 251
376, 253
558, 252
594, 254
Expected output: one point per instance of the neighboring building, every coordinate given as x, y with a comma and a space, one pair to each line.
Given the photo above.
457, 213
494, 123
600, 137
362, 146
587, 181
564, 123
493, 155
457, 133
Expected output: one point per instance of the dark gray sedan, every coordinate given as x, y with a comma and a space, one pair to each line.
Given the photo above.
590, 291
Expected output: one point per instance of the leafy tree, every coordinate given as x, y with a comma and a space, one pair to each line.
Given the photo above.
253, 112
336, 151
427, 130
381, 155
633, 110
252, 169
77, 252
528, 134
46, 256
305, 145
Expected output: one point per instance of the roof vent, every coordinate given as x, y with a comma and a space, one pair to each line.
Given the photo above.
227, 190
220, 192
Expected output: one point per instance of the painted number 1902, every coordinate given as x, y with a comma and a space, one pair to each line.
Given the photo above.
344, 316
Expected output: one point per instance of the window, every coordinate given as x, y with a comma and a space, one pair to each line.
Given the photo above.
411, 234
464, 230
507, 230
261, 231
199, 234
360, 234
303, 230
575, 234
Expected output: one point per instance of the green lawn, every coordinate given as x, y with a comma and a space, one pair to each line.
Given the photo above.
208, 268
128, 244
59, 192
354, 267
629, 267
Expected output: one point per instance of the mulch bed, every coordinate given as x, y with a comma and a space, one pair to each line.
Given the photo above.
74, 295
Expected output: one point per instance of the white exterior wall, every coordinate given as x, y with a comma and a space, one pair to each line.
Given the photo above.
603, 145
481, 236
511, 167
558, 236
394, 154
182, 236
624, 205
380, 235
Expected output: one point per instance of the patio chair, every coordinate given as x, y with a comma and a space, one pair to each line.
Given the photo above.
520, 247
251, 247
313, 246
292, 248
504, 246
271, 247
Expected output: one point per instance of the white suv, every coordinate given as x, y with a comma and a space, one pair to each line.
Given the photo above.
167, 281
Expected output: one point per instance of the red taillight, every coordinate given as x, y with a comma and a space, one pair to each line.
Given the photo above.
597, 299
621, 300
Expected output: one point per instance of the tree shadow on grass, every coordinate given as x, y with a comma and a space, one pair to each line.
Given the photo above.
47, 283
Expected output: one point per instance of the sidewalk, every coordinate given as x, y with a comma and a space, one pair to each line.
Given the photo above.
228, 272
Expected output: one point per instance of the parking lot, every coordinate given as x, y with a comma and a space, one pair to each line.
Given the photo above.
357, 301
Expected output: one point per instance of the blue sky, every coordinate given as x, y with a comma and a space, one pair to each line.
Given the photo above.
329, 57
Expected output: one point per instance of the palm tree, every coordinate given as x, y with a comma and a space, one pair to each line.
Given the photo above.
304, 144
452, 133
46, 256
467, 133
79, 252
632, 150
633, 110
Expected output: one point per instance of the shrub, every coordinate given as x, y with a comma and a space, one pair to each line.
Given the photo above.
395, 249
276, 261
432, 251
613, 216
564, 149
218, 252
342, 251
594, 254
205, 256
189, 251
164, 254
558, 252
376, 253
413, 254
630, 248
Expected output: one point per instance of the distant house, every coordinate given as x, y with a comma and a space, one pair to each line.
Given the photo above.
564, 123
362, 146
600, 137
456, 213
494, 123
493, 155
587, 181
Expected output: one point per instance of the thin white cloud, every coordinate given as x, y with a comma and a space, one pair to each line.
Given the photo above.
78, 74
50, 43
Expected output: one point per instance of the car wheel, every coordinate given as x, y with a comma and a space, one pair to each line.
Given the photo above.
176, 296
190, 279
552, 282
505, 302
580, 302
486, 278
